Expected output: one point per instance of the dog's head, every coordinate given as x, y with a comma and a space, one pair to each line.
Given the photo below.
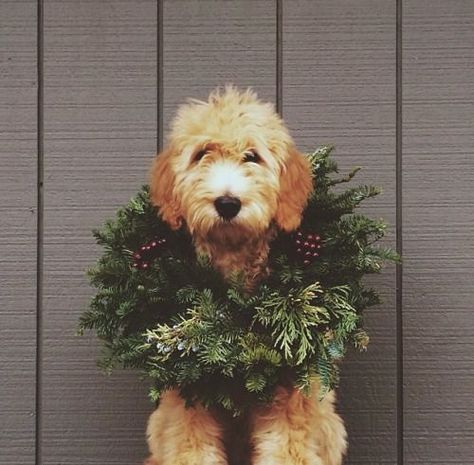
230, 165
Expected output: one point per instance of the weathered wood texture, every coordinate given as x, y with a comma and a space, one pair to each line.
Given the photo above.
18, 200
339, 87
99, 137
438, 217
212, 42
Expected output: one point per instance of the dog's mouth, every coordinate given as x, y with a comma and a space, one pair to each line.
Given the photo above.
230, 233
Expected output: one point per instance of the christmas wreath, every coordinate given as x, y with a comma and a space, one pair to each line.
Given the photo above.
164, 310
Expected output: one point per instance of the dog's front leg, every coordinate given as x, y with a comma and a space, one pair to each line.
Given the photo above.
298, 430
183, 436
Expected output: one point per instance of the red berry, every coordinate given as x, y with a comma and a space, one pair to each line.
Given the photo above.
306, 244
315, 254
298, 242
299, 234
137, 256
135, 265
306, 262
319, 246
317, 238
310, 237
307, 254
298, 251
313, 246
153, 244
145, 265
142, 247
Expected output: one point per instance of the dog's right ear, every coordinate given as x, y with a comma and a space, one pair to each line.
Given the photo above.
296, 184
162, 195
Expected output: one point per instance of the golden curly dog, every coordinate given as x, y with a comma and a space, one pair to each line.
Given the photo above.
232, 175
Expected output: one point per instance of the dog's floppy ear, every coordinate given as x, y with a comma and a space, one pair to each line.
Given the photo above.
295, 186
162, 180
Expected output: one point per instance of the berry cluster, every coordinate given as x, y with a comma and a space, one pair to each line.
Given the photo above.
147, 252
307, 247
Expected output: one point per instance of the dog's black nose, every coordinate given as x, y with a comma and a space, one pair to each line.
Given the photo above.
227, 206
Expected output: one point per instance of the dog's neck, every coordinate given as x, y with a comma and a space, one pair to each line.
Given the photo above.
238, 252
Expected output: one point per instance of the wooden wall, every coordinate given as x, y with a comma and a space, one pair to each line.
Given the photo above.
87, 90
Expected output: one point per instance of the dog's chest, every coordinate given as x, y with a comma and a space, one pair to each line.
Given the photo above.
247, 256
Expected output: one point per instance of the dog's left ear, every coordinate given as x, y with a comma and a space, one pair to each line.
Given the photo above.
162, 180
296, 184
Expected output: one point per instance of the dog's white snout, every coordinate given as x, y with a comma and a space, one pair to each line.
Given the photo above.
226, 179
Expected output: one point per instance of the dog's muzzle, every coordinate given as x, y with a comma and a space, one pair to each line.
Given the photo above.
227, 206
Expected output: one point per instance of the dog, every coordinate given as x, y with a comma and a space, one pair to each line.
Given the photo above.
233, 177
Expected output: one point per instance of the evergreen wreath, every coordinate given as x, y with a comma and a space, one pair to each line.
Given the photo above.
166, 311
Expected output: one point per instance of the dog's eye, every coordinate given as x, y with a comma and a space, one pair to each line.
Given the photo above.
200, 154
251, 156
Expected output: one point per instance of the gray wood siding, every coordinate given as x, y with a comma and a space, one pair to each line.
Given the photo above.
113, 73
18, 202
438, 218
99, 134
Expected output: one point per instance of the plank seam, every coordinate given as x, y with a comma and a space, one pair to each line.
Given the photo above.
39, 222
279, 57
159, 76
399, 233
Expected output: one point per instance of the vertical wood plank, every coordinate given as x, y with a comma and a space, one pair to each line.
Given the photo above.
438, 214
210, 43
339, 87
214, 42
100, 136
18, 202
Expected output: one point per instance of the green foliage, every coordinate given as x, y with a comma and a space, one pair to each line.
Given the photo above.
185, 327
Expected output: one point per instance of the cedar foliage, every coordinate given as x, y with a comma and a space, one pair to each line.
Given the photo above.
182, 325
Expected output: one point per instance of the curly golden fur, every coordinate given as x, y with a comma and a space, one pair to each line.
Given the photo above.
232, 176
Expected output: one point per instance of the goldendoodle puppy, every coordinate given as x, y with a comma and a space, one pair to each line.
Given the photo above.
231, 174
